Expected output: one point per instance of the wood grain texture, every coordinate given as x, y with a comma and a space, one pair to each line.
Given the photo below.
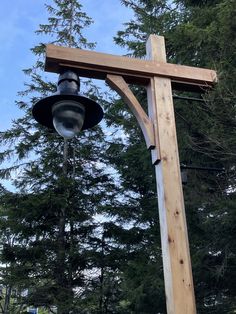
136, 71
121, 87
179, 289
160, 131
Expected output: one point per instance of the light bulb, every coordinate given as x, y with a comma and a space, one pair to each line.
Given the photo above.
68, 118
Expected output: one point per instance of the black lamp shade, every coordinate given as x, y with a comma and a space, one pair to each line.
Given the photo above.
68, 89
42, 110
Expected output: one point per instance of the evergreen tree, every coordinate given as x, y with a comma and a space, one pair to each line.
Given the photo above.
137, 230
199, 33
60, 185
61, 254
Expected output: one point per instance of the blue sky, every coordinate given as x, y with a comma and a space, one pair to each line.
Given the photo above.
18, 21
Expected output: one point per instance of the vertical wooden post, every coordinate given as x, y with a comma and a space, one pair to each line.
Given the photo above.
122, 70
174, 238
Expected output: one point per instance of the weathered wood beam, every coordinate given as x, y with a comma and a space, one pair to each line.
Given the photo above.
136, 71
179, 288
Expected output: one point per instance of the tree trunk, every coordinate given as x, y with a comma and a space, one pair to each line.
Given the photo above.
7, 300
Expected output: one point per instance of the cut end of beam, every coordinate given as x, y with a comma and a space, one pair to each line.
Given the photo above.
135, 71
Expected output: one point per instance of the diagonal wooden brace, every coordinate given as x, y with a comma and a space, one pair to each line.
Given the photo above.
159, 132
117, 83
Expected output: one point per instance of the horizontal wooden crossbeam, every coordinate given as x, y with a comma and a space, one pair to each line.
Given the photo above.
135, 71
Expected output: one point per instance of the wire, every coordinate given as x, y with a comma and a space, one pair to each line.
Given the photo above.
189, 98
201, 168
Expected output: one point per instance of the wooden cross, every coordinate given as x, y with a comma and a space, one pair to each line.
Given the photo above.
160, 135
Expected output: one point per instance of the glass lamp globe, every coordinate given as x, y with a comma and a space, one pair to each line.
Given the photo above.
67, 111
68, 118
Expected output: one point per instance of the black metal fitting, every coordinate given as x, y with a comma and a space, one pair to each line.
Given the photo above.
68, 83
